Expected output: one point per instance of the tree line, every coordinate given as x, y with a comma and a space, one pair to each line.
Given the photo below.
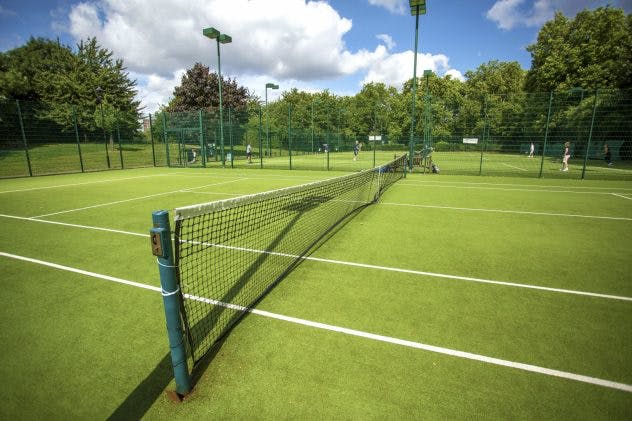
590, 52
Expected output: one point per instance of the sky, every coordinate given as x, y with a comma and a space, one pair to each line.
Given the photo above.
337, 45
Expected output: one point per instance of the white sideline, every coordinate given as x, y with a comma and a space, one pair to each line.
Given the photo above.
426, 181
620, 195
344, 263
58, 186
134, 198
574, 215
358, 333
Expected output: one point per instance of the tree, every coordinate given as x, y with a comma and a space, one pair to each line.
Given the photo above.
64, 84
591, 51
199, 89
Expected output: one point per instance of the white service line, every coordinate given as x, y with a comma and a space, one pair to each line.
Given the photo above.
419, 185
353, 332
59, 186
469, 183
517, 168
574, 215
344, 263
133, 199
620, 195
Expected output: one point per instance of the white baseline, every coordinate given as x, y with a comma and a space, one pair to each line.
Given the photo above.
358, 333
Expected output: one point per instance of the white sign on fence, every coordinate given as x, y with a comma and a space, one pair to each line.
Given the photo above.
375, 138
471, 140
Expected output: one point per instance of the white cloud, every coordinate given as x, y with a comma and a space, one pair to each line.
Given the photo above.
300, 44
303, 41
398, 68
393, 6
387, 40
509, 14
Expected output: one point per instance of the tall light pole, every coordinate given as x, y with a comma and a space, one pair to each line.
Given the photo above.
213, 33
417, 7
271, 86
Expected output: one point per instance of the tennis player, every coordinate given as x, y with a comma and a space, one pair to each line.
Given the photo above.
356, 150
566, 156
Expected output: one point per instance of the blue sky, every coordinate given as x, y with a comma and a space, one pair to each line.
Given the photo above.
311, 45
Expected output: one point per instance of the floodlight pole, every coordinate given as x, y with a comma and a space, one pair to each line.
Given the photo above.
271, 86
412, 123
213, 33
221, 117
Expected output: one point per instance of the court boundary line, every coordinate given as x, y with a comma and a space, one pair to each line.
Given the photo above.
513, 166
58, 186
354, 264
410, 181
620, 195
352, 332
421, 185
116, 202
565, 215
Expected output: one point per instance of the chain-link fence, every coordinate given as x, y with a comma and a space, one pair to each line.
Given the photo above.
509, 135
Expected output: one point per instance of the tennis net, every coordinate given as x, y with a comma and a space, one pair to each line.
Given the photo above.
230, 253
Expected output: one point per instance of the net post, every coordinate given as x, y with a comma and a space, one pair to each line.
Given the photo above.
162, 247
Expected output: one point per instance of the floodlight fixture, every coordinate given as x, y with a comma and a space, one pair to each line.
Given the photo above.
211, 33
417, 7
224, 39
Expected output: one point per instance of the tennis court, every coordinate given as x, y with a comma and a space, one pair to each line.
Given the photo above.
453, 297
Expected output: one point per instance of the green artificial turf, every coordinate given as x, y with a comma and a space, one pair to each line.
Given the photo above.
77, 346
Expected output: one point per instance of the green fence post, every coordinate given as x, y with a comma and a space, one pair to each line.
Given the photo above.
118, 135
546, 133
374, 146
260, 140
485, 122
164, 134
201, 138
74, 122
230, 137
289, 132
151, 138
26, 146
162, 247
592, 123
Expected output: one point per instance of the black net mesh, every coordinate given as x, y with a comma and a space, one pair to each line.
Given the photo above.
231, 252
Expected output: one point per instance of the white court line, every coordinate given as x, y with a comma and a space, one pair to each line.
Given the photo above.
574, 215
409, 181
421, 185
353, 264
353, 332
133, 199
512, 166
59, 186
620, 195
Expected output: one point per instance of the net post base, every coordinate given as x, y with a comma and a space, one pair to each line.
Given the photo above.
175, 396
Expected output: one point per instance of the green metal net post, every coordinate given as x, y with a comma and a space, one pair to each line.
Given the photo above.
162, 247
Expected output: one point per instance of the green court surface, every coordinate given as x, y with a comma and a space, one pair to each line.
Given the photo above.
453, 297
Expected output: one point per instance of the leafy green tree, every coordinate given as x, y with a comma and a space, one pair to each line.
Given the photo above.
591, 51
64, 83
199, 89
